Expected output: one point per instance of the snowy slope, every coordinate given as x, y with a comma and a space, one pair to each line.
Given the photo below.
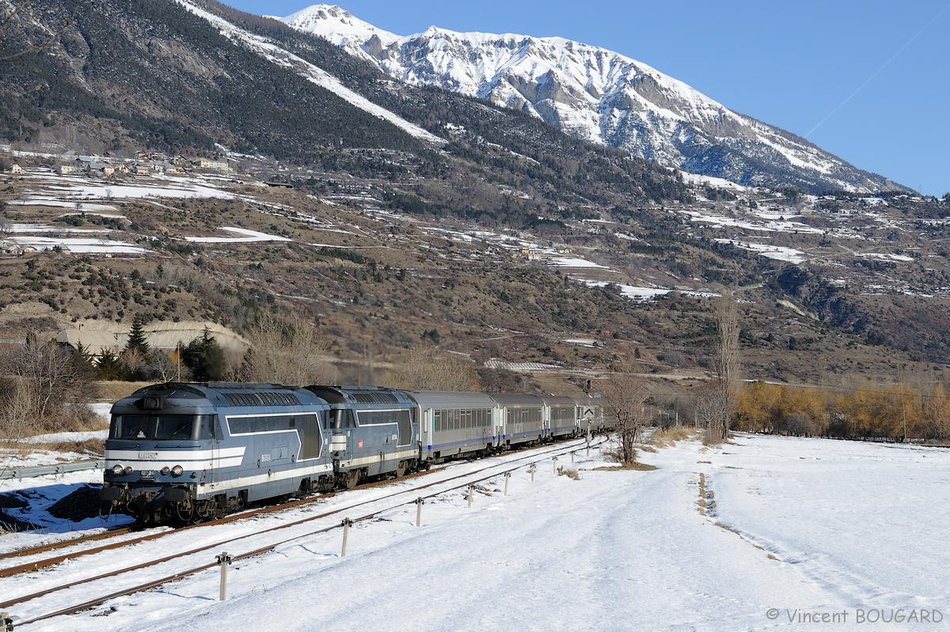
594, 94
797, 526
271, 51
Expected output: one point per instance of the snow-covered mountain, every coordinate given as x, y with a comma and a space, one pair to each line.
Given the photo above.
597, 95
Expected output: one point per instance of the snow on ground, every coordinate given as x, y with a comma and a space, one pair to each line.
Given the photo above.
697, 179
574, 262
80, 245
45, 228
249, 237
761, 221
184, 189
59, 437
800, 529
779, 253
885, 256
87, 208
639, 293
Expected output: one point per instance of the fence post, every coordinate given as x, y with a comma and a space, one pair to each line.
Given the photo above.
471, 494
531, 470
419, 502
554, 465
507, 478
346, 535
224, 560
6, 622
572, 456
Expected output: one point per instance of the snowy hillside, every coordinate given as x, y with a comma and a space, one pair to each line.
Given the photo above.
274, 53
788, 529
593, 94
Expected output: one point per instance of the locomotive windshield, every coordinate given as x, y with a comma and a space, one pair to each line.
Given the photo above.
162, 427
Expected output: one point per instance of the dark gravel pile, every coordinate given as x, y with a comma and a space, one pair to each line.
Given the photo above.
9, 523
79, 505
12, 501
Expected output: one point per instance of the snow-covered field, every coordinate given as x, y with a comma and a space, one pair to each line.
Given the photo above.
797, 534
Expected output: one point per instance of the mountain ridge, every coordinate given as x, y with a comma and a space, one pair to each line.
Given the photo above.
596, 95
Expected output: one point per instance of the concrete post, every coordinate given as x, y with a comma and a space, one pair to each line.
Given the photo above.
419, 502
346, 535
224, 560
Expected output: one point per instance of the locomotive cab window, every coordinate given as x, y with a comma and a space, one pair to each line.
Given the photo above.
162, 427
341, 418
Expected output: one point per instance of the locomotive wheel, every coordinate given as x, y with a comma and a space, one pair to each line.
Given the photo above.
185, 511
401, 469
352, 478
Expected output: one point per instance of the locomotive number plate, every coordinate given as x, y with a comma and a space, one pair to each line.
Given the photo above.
148, 455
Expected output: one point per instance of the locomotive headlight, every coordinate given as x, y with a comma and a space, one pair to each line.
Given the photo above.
117, 470
178, 470
127, 470
166, 470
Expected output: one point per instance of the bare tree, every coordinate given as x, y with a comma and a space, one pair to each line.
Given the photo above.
160, 366
44, 376
286, 351
428, 369
625, 395
721, 403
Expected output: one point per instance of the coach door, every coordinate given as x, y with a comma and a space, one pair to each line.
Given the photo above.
425, 432
214, 429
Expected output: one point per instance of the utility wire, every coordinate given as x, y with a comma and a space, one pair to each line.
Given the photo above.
879, 70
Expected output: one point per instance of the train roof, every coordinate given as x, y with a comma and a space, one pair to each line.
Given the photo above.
362, 395
516, 399
223, 395
453, 399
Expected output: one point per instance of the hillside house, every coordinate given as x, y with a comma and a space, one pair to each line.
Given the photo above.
214, 165
96, 167
16, 170
10, 249
68, 169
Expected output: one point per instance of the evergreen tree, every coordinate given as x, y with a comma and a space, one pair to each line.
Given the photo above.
204, 358
109, 367
137, 341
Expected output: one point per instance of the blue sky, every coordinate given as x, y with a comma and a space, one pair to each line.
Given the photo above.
868, 80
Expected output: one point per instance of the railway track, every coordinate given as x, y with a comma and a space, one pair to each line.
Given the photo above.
243, 533
154, 533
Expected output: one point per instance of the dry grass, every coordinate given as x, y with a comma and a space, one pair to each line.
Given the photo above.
87, 446
569, 472
615, 455
112, 391
669, 436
